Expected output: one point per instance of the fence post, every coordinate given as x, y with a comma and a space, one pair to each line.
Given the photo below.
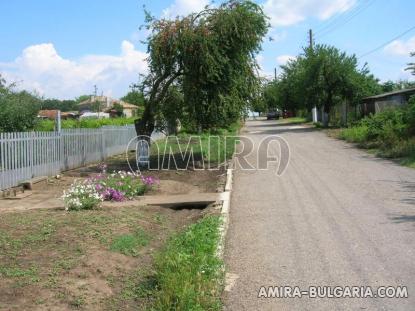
103, 153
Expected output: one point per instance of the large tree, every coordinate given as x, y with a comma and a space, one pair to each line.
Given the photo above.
411, 66
210, 57
18, 109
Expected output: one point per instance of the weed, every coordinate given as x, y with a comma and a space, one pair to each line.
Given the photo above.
188, 270
77, 302
130, 244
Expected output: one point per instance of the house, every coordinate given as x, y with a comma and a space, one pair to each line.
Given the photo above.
52, 114
106, 104
378, 103
47, 114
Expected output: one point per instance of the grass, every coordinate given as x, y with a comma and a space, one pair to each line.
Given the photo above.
48, 125
188, 270
356, 134
213, 147
42, 252
130, 244
293, 120
401, 150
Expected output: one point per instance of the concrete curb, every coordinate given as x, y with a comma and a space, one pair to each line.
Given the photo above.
225, 198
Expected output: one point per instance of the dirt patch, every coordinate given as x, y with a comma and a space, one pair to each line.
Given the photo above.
48, 194
91, 260
57, 260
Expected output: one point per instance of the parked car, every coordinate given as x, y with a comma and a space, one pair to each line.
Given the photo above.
288, 114
273, 114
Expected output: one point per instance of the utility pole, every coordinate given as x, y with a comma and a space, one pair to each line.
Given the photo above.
310, 38
275, 74
311, 45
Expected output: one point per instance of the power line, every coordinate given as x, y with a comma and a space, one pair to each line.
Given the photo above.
347, 19
386, 43
342, 11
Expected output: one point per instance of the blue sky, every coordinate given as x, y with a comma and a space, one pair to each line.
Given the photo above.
62, 48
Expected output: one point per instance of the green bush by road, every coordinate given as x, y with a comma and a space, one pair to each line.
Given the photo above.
49, 125
188, 270
391, 133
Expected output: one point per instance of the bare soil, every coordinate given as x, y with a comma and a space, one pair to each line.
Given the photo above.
56, 260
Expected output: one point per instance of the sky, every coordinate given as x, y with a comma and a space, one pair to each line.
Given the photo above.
61, 49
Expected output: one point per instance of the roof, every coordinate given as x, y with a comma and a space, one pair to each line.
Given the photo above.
127, 105
51, 114
405, 91
107, 100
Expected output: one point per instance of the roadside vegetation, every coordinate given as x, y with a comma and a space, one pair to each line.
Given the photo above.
49, 125
188, 271
212, 147
390, 133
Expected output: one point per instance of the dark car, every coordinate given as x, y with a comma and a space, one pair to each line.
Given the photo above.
273, 114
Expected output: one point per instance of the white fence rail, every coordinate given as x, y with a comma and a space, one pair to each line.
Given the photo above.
27, 155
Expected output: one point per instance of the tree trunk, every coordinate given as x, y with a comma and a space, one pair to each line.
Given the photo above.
145, 125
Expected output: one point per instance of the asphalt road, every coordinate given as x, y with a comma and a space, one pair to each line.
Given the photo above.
336, 217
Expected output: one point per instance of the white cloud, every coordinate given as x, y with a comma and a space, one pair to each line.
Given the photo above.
184, 7
42, 69
283, 59
289, 12
401, 48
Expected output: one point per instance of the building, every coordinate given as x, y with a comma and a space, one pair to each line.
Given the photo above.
52, 114
106, 104
378, 103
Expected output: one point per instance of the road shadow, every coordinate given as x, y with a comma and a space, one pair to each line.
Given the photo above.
277, 131
399, 219
275, 124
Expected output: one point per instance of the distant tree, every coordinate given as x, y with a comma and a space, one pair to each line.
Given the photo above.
411, 66
390, 86
270, 95
68, 105
2, 82
18, 110
62, 105
119, 109
134, 97
82, 98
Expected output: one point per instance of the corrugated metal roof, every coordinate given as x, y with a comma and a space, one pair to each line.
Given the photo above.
411, 90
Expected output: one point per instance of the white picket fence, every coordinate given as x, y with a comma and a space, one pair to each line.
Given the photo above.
26, 155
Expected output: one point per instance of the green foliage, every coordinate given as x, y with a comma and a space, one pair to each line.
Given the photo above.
355, 134
188, 270
49, 125
18, 110
81, 195
134, 97
130, 244
390, 86
210, 57
215, 146
119, 109
82, 98
391, 131
271, 96
62, 105
323, 77
411, 66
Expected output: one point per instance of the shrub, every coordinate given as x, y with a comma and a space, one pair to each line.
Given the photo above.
81, 195
356, 134
122, 185
188, 269
49, 125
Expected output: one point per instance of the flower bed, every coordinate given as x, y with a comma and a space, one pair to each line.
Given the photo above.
117, 186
